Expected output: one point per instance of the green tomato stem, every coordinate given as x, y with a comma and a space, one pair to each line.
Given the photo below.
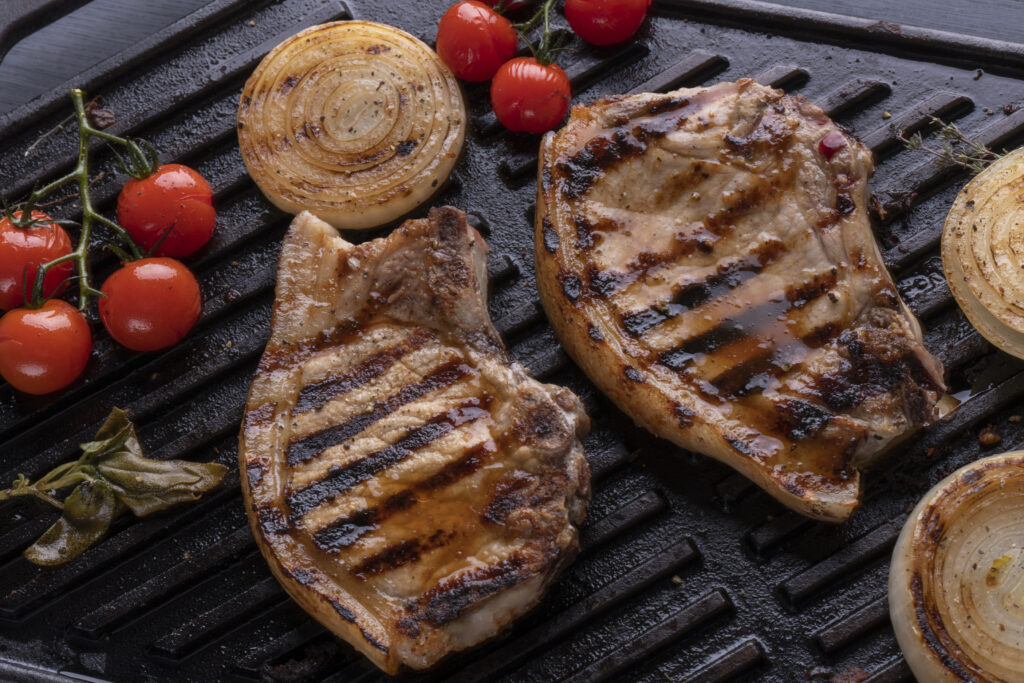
80, 174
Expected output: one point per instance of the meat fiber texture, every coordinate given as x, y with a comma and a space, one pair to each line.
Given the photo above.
711, 267
411, 488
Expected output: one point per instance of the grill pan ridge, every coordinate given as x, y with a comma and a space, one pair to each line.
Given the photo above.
688, 571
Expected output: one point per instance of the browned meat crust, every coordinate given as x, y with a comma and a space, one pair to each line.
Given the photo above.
716, 275
410, 487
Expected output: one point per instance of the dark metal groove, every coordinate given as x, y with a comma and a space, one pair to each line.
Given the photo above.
687, 619
695, 68
841, 564
737, 660
521, 648
840, 632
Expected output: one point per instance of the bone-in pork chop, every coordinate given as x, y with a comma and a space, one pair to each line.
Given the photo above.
410, 487
706, 256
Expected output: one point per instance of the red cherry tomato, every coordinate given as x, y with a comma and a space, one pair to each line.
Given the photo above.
22, 251
43, 349
474, 40
529, 96
604, 22
150, 304
174, 198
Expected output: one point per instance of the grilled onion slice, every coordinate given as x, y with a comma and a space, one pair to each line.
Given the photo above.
983, 252
355, 121
956, 585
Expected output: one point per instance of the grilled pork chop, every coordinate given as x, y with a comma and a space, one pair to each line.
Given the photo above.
410, 487
711, 267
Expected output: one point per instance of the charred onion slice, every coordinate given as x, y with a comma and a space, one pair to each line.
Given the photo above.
355, 121
983, 252
956, 586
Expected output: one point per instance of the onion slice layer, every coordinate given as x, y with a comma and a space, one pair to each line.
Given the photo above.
956, 584
983, 252
355, 121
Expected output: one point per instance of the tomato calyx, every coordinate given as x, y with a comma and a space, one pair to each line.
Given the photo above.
142, 160
551, 43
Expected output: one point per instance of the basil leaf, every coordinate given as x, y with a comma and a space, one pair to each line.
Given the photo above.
88, 513
147, 486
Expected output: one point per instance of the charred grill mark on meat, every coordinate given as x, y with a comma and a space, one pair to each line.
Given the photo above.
314, 396
691, 294
734, 302
309, 446
342, 478
384, 417
344, 532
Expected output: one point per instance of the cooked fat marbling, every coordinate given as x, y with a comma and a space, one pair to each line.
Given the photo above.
411, 488
712, 268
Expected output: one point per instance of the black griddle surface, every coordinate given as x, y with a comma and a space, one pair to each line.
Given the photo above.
689, 572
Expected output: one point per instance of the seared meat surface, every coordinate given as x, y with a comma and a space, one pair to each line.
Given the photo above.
411, 488
710, 265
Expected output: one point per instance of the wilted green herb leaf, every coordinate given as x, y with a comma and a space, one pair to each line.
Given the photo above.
147, 486
88, 513
112, 476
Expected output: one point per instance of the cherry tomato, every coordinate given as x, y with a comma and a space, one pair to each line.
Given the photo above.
43, 349
150, 304
529, 96
174, 198
22, 251
474, 40
604, 22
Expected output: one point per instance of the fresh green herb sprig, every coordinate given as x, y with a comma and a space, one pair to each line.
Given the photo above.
139, 160
955, 148
110, 478
550, 43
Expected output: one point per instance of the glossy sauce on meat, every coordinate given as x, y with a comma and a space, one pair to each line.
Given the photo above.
715, 273
412, 488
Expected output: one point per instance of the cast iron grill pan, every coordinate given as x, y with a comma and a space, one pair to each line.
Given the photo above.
688, 571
